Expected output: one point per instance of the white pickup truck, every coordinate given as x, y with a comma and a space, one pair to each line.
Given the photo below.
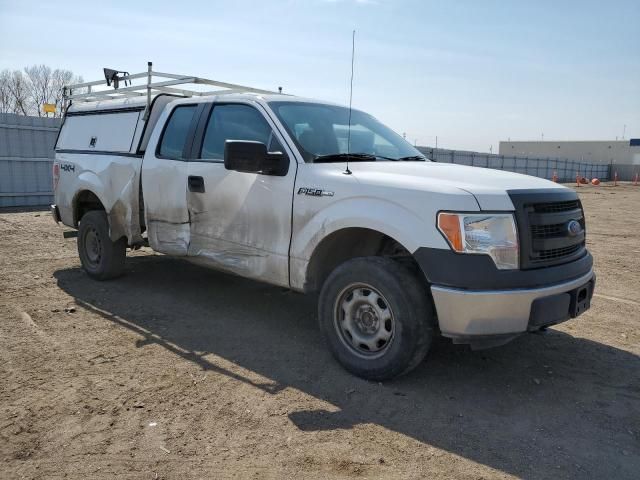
314, 197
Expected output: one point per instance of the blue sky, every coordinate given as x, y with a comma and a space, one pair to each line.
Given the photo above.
472, 72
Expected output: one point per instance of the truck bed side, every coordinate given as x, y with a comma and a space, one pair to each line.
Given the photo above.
99, 155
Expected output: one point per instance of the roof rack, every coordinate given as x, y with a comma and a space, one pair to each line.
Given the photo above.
150, 88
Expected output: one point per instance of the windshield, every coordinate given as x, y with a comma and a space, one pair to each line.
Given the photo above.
321, 133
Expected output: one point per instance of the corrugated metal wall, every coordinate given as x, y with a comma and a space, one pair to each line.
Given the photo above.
26, 157
566, 170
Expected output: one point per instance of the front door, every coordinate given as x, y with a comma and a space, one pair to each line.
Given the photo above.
240, 222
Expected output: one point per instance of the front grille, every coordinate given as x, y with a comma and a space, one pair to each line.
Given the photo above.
547, 231
552, 231
543, 220
557, 206
558, 252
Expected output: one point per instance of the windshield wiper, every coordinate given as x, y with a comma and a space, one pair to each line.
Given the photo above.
343, 157
362, 157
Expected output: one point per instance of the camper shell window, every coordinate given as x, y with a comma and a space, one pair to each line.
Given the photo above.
111, 131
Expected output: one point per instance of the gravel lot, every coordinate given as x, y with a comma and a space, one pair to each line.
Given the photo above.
174, 371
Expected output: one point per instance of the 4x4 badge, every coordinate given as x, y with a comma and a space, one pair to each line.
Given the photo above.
314, 192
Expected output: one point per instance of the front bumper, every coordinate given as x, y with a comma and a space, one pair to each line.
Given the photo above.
493, 317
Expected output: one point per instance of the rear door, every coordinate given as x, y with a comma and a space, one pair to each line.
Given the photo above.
164, 179
240, 222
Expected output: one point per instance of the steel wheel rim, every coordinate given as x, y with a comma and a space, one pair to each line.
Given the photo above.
364, 321
93, 246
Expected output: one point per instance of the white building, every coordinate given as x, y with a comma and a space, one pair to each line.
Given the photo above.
621, 152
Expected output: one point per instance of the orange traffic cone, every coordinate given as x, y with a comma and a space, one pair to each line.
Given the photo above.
555, 177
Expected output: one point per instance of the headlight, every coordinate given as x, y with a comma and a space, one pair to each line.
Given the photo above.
488, 234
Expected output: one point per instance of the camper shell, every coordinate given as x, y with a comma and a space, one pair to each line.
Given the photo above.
111, 126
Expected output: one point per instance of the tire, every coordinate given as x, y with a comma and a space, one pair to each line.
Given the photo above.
356, 324
101, 258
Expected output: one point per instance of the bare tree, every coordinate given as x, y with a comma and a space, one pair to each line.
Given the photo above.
26, 93
60, 78
46, 86
39, 86
5, 96
19, 93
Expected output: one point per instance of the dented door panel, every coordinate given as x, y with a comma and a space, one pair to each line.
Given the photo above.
164, 183
164, 186
242, 222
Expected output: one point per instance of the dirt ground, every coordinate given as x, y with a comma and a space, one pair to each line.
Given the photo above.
176, 372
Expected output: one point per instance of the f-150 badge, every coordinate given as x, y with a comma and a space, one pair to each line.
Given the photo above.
314, 192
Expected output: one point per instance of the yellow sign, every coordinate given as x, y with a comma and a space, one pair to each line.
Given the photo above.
49, 108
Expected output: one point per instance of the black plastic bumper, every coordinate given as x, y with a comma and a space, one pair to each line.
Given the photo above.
559, 308
478, 272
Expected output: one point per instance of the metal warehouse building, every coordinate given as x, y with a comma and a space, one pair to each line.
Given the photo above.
619, 152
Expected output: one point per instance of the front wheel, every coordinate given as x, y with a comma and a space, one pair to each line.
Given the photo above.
101, 258
376, 316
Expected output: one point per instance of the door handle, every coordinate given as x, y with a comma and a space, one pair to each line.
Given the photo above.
196, 184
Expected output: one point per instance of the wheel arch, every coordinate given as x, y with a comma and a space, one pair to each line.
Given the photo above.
347, 243
85, 200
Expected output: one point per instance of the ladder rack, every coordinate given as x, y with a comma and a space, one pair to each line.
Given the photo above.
167, 84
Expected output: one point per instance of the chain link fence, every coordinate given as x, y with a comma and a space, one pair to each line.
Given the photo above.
565, 170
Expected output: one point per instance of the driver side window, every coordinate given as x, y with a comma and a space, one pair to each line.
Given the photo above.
235, 122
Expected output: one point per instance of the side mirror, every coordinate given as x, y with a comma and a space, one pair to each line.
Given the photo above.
252, 157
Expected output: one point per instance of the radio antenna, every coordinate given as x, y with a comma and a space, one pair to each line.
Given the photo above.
353, 51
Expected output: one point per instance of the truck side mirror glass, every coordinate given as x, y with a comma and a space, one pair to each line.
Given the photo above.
253, 157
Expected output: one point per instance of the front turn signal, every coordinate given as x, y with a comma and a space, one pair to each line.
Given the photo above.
449, 225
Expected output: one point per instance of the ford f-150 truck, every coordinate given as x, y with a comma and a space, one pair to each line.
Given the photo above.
316, 197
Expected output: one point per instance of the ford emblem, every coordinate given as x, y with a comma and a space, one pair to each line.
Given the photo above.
574, 228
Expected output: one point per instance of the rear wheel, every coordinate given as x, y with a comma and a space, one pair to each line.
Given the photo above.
376, 316
101, 258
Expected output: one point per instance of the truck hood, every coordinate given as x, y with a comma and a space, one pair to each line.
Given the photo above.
487, 185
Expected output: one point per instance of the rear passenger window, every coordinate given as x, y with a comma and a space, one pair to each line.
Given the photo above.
175, 133
235, 122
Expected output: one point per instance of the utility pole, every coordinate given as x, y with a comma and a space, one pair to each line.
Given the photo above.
436, 142
624, 130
